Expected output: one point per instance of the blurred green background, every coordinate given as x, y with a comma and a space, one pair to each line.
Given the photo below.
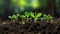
57, 9
9, 7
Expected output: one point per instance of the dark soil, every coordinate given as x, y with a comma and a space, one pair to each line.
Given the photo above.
6, 27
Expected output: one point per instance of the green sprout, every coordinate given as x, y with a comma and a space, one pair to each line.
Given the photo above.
14, 17
27, 15
35, 16
23, 17
51, 18
47, 17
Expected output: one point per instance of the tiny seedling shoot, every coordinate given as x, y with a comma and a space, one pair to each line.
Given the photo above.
35, 16
25, 17
14, 17
47, 17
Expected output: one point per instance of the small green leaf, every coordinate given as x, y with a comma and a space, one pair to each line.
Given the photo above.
51, 17
22, 16
9, 17
27, 14
17, 15
44, 15
47, 17
14, 17
32, 14
39, 15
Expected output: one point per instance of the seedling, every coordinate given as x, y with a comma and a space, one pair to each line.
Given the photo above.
23, 17
47, 17
27, 15
14, 17
36, 16
51, 18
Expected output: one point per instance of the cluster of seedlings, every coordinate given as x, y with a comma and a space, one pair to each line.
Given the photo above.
30, 22
30, 16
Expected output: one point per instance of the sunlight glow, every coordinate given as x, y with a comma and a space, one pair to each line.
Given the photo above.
22, 3
35, 3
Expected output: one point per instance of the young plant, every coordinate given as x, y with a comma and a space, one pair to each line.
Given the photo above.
35, 16
47, 17
27, 16
23, 17
51, 18
14, 17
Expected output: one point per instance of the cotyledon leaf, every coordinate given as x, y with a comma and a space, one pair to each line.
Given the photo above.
39, 15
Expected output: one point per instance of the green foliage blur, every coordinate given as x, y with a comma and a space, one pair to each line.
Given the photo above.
21, 5
26, 3
1, 2
18, 6
1, 7
57, 3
